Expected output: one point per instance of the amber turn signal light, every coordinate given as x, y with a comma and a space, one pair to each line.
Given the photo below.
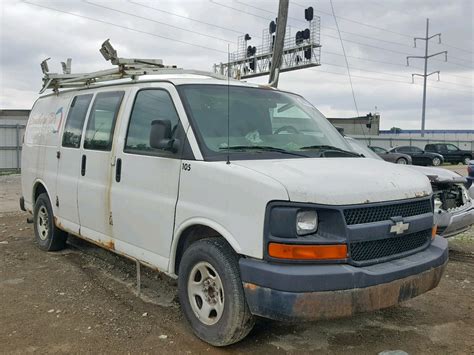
433, 231
307, 252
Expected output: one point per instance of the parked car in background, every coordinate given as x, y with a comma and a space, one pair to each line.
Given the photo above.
419, 156
470, 178
450, 152
454, 208
392, 157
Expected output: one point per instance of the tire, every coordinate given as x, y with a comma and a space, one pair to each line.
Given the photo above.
228, 320
402, 161
466, 160
47, 235
436, 161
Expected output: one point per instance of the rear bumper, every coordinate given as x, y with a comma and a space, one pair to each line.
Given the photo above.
310, 292
452, 223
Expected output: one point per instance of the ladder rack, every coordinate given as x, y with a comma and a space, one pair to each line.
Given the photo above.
127, 68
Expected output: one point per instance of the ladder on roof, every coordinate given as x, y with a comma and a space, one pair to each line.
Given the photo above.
127, 68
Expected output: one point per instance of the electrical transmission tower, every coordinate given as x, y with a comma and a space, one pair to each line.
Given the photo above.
425, 75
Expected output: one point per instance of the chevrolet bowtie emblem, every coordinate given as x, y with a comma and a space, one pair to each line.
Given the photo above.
399, 227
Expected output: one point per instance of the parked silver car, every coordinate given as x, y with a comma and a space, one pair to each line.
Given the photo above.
392, 157
454, 206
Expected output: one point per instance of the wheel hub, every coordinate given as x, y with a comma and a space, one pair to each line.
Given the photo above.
42, 223
206, 293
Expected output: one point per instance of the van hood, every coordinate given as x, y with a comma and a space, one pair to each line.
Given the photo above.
342, 181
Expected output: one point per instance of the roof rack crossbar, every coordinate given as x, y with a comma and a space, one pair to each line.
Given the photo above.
127, 68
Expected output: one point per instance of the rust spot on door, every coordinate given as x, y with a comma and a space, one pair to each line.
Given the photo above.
109, 244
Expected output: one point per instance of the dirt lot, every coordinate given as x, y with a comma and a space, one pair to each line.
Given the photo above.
83, 299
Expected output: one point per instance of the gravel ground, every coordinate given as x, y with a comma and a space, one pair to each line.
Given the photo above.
83, 299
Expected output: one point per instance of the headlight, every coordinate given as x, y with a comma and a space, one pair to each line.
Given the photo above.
306, 222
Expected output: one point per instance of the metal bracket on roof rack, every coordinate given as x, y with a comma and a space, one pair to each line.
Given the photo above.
127, 68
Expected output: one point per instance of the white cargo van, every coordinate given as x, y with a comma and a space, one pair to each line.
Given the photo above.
246, 194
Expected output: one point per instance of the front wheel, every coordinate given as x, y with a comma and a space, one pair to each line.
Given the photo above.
466, 160
436, 161
211, 293
402, 161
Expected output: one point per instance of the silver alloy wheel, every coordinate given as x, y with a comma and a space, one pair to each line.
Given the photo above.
401, 161
42, 223
436, 161
206, 293
466, 160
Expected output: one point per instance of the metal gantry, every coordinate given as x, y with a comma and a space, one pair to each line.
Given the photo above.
425, 74
300, 50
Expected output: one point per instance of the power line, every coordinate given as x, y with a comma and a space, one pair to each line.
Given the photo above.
391, 63
404, 12
125, 27
359, 22
390, 74
154, 21
330, 36
186, 18
330, 28
390, 31
345, 58
389, 80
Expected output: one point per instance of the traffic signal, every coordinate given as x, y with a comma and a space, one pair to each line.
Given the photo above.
308, 13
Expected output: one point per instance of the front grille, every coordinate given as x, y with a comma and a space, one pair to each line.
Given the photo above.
385, 212
383, 248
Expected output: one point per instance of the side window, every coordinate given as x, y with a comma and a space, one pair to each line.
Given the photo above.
150, 105
451, 148
75, 121
404, 149
100, 127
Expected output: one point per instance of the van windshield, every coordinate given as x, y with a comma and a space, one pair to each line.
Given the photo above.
259, 122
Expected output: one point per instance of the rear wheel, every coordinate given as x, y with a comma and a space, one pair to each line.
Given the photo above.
466, 160
211, 293
436, 161
47, 235
402, 161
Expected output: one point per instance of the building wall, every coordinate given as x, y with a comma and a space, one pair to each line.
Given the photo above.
12, 129
357, 126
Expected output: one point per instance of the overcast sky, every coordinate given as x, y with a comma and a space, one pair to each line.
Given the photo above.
376, 33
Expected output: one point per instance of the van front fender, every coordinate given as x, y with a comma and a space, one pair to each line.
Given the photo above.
199, 221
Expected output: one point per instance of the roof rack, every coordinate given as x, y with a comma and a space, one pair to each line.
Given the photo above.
127, 68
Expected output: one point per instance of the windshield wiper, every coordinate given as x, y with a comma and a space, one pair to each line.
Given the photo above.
262, 148
330, 147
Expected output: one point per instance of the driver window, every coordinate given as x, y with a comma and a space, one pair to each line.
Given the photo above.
451, 147
150, 105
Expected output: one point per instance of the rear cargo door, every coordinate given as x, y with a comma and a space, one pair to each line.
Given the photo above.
69, 155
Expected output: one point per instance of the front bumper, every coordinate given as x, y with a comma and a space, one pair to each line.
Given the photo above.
452, 223
310, 292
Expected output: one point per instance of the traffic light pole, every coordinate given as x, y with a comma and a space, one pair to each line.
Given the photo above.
425, 74
279, 43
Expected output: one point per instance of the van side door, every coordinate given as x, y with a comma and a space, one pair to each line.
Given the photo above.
96, 167
69, 155
146, 180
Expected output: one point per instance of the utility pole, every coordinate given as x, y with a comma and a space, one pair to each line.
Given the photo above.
425, 75
279, 43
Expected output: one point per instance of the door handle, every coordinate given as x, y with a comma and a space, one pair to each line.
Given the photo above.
118, 170
83, 165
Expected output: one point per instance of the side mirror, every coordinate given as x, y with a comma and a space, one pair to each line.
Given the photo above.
160, 136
